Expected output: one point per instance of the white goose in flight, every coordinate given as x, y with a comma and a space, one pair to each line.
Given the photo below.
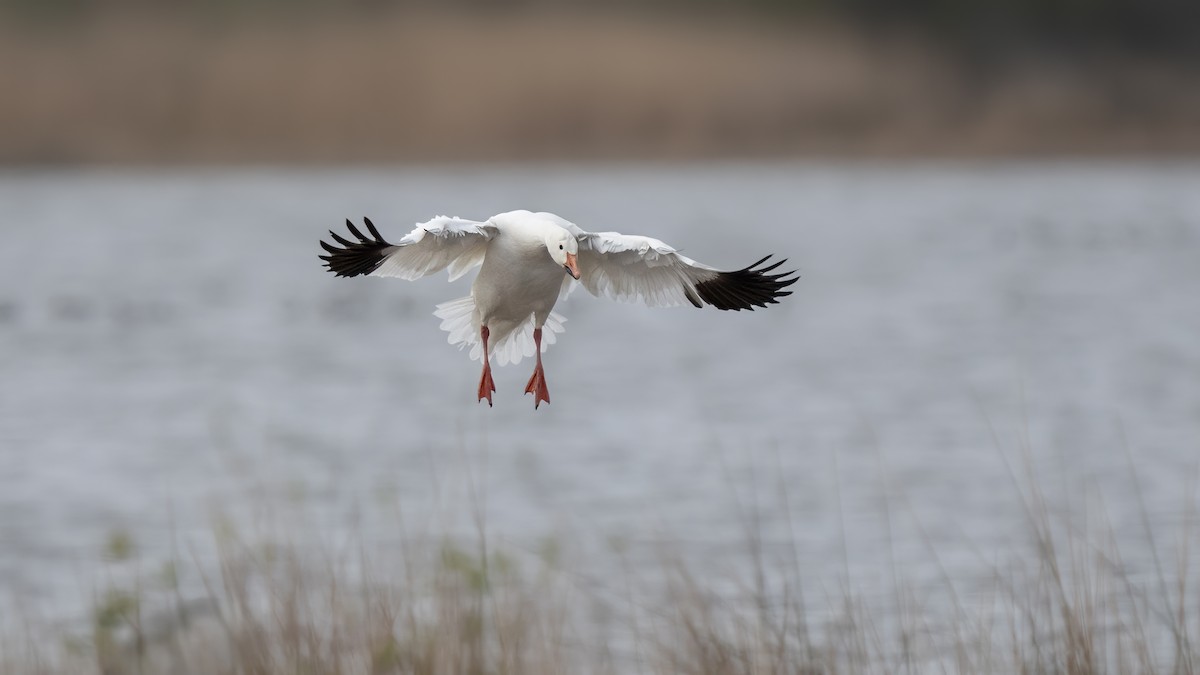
530, 260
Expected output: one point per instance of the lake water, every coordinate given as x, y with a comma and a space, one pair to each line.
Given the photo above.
171, 350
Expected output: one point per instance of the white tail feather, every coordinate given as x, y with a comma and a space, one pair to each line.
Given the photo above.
508, 344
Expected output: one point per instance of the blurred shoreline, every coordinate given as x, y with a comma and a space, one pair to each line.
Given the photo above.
138, 88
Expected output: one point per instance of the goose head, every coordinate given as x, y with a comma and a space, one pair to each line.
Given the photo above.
563, 250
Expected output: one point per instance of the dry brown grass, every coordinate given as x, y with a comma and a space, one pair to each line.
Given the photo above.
416, 85
1065, 605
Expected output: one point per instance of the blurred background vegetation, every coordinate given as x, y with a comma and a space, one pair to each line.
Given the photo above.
320, 81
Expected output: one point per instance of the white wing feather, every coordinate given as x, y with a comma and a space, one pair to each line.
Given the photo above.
631, 267
441, 243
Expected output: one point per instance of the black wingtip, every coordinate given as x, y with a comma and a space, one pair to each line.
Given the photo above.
355, 258
371, 228
748, 287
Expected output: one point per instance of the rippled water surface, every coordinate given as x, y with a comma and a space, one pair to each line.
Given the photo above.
171, 349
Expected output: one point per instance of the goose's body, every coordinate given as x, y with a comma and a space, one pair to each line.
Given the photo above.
527, 261
517, 280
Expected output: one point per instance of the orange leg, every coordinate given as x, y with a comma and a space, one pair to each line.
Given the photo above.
486, 385
537, 382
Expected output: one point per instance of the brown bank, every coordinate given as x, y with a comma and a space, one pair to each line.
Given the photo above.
415, 85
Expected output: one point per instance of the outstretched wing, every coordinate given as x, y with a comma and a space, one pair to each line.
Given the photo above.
441, 243
631, 267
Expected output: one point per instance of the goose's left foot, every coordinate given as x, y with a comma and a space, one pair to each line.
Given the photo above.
537, 381
537, 386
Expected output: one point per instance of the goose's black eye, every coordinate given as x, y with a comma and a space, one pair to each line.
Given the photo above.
560, 247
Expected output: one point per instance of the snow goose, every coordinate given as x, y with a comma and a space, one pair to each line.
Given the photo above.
527, 262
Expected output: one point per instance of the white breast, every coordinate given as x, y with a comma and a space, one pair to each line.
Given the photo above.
518, 278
